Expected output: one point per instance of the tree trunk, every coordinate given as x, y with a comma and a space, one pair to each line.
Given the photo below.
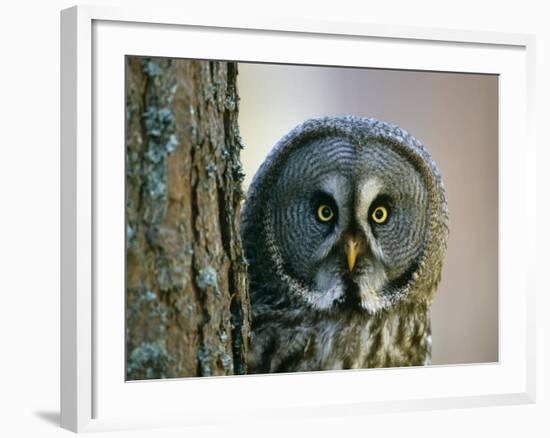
187, 306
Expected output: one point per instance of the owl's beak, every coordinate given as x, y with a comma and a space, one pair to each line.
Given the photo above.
351, 248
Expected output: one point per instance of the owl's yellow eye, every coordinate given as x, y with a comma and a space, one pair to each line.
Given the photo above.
380, 214
325, 213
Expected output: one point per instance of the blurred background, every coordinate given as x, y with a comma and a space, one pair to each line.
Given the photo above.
455, 116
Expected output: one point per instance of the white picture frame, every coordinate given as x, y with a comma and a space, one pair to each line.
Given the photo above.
94, 41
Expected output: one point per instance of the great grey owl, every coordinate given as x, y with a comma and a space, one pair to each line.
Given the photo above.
345, 229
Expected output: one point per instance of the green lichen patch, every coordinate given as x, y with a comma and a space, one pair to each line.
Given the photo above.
223, 336
151, 68
148, 360
204, 358
207, 278
226, 361
211, 169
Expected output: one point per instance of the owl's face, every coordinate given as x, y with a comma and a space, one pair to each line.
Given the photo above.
350, 222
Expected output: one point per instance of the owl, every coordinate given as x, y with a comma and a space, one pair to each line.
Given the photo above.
344, 229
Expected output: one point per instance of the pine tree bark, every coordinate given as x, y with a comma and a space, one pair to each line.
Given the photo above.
187, 306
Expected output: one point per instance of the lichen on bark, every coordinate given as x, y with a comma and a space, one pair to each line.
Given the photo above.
187, 306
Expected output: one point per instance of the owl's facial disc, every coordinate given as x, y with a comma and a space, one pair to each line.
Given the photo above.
347, 223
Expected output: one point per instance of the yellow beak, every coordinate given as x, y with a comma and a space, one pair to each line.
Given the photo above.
351, 249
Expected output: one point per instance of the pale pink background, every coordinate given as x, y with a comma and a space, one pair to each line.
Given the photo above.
456, 117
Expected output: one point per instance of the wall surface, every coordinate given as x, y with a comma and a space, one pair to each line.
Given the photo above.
29, 223
456, 117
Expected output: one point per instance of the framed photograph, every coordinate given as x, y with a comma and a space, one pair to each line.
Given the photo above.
257, 208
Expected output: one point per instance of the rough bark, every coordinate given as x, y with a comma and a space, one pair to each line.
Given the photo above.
187, 306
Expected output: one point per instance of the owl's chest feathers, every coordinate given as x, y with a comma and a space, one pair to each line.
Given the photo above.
398, 337
387, 339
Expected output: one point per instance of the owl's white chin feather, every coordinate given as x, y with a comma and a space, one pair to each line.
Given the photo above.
325, 300
368, 286
371, 301
331, 289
